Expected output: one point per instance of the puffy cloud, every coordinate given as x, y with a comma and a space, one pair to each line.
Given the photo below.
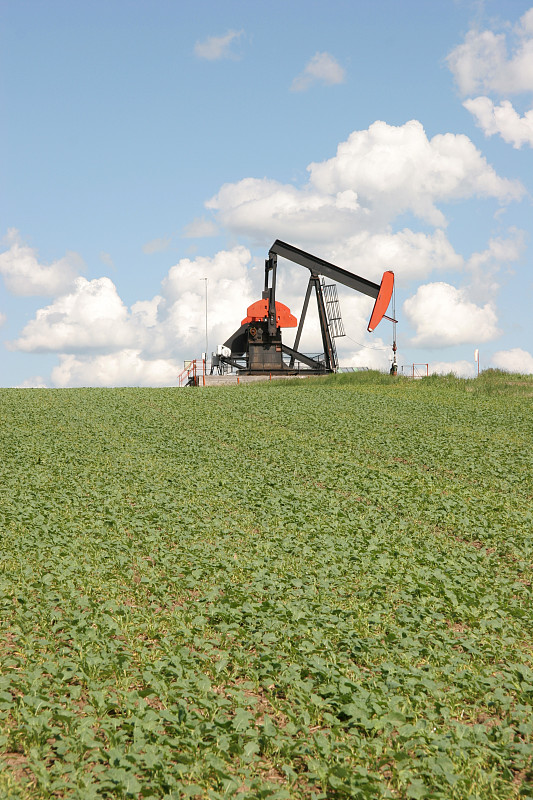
25, 276
3, 319
90, 317
322, 68
502, 119
463, 369
408, 254
483, 267
36, 382
443, 315
265, 209
514, 360
215, 48
156, 245
394, 169
145, 312
200, 228
478, 61
125, 368
482, 62
229, 288
375, 175
101, 342
344, 213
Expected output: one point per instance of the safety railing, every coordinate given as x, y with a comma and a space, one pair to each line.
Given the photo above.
193, 373
416, 371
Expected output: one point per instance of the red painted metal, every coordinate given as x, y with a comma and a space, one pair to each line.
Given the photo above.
417, 373
382, 300
258, 312
188, 372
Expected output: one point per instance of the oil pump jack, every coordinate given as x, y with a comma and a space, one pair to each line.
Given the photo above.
256, 347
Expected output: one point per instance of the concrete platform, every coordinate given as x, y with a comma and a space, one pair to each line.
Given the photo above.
231, 380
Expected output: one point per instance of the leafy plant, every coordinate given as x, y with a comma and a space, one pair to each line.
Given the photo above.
289, 590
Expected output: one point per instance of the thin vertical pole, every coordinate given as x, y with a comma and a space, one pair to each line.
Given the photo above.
394, 368
206, 345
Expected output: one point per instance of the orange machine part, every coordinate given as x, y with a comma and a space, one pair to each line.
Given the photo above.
258, 312
382, 300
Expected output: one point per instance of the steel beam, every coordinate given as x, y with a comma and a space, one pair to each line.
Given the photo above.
320, 267
302, 320
310, 362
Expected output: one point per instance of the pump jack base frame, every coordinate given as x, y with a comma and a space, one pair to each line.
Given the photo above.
256, 348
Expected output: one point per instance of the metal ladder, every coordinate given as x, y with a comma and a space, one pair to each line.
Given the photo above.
333, 312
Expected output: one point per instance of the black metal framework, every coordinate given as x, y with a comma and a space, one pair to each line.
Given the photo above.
321, 267
256, 348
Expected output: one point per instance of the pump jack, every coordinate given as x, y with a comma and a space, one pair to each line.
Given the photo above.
256, 347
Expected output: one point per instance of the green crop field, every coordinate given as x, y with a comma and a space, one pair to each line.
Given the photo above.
308, 589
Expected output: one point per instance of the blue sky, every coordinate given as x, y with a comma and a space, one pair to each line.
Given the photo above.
148, 145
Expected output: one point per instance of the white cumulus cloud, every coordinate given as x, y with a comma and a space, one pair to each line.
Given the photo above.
229, 289
215, 48
514, 360
499, 63
461, 368
263, 208
102, 342
495, 62
36, 382
394, 169
483, 267
502, 119
323, 68
124, 368
90, 317
443, 315
376, 175
25, 276
407, 253
345, 212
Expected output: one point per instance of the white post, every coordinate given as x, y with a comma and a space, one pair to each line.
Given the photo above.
206, 345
